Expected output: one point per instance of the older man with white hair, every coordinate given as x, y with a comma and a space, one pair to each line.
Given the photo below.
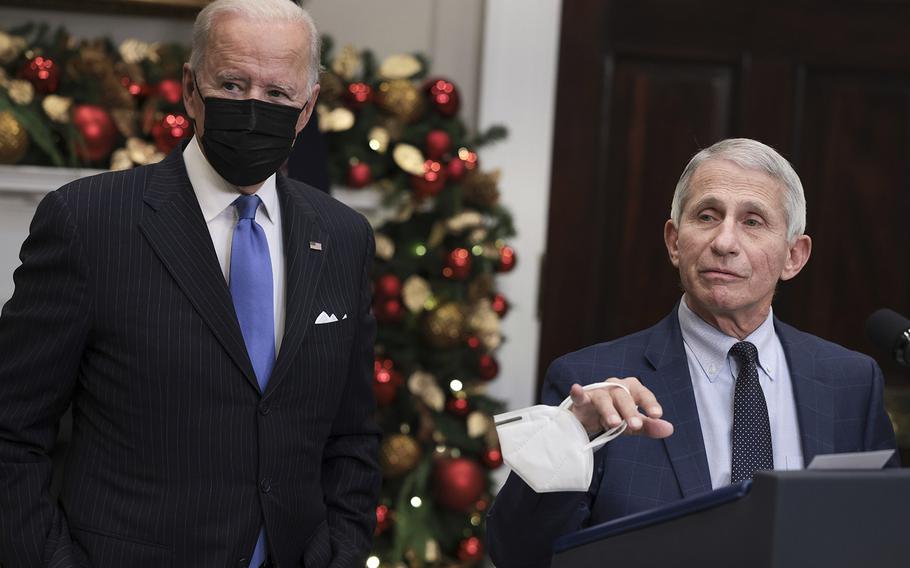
718, 389
210, 323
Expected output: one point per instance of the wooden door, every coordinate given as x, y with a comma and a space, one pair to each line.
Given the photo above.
644, 84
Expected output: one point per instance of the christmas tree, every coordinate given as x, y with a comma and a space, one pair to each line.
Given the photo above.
393, 128
69, 102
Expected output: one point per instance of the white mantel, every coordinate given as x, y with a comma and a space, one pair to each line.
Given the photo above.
23, 187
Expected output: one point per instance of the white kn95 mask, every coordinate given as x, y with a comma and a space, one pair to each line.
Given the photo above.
547, 446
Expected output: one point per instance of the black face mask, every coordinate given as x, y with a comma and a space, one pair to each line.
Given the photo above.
247, 140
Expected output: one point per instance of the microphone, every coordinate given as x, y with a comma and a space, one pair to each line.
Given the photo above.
890, 331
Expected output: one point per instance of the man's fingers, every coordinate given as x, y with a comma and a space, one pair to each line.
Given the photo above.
579, 395
656, 428
648, 402
626, 407
609, 416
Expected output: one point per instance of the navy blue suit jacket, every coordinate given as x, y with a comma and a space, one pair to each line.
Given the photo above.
839, 406
177, 457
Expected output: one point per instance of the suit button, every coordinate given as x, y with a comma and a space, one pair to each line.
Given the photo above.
264, 408
243, 562
265, 485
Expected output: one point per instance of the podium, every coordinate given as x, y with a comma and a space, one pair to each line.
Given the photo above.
780, 519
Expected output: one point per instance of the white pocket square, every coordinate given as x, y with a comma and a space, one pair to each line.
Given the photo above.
325, 318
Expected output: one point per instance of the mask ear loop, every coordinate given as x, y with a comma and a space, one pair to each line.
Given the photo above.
196, 86
610, 434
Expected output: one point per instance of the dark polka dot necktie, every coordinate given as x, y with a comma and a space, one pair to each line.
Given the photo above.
751, 428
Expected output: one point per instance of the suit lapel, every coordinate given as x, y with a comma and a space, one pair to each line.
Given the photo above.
177, 232
672, 386
814, 401
304, 267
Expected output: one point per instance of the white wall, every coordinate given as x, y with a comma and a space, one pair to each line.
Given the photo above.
518, 89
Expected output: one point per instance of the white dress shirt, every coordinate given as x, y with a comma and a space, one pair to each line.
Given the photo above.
713, 374
216, 197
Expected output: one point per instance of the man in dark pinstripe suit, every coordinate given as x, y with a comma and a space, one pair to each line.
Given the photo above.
197, 441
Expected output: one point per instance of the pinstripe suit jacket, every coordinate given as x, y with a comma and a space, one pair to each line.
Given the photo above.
839, 406
177, 458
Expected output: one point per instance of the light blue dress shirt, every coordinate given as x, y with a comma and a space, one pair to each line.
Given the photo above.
713, 374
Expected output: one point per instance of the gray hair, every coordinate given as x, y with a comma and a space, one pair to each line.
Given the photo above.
750, 155
268, 11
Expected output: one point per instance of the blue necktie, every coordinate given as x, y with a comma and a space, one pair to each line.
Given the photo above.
251, 289
752, 449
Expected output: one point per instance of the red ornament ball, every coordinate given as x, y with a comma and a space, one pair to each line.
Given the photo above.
443, 95
97, 130
387, 310
43, 73
506, 259
359, 175
473, 342
431, 182
458, 483
168, 133
171, 91
492, 458
438, 144
470, 550
458, 406
386, 381
458, 264
383, 519
500, 305
487, 367
358, 95
455, 169
388, 286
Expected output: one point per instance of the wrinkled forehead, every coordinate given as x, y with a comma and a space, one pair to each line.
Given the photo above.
724, 182
241, 43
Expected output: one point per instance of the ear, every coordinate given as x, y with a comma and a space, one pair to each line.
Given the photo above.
190, 98
797, 257
308, 109
671, 239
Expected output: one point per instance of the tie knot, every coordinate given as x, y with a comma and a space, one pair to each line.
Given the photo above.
745, 352
246, 206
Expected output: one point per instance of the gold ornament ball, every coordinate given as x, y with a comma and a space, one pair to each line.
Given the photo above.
481, 189
399, 454
445, 325
401, 98
13, 139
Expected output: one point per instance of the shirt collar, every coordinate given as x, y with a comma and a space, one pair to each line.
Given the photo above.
215, 194
710, 346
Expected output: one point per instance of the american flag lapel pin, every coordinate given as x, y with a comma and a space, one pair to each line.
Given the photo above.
315, 246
